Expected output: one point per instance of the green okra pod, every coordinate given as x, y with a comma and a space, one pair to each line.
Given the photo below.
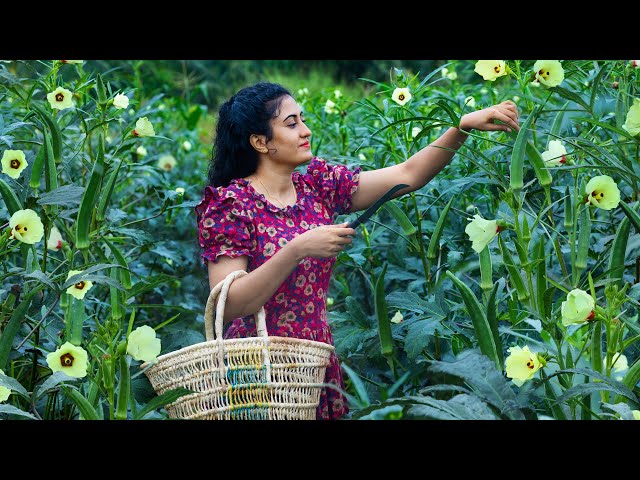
484, 333
434, 241
89, 198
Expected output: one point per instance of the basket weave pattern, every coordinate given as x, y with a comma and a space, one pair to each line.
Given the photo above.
255, 378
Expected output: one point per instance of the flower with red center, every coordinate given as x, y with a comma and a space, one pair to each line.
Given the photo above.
401, 96
522, 364
80, 288
549, 72
60, 98
491, 69
70, 359
603, 192
26, 226
13, 162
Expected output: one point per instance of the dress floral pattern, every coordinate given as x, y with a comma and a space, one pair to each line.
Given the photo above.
237, 220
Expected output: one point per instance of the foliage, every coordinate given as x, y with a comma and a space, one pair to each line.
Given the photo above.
124, 225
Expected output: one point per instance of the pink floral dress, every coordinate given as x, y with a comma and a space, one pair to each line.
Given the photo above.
237, 220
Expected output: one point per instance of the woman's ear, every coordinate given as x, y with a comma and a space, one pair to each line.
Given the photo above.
259, 142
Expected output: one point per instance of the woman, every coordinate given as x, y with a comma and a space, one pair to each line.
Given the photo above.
259, 215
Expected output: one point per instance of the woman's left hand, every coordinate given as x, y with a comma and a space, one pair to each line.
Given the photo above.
484, 119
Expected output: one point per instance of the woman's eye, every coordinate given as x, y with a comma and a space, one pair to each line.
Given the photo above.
292, 124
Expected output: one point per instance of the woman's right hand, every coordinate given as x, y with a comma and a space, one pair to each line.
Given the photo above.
324, 241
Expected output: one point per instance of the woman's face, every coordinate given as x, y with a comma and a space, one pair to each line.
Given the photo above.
290, 141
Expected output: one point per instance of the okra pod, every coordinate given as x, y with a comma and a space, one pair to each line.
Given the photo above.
434, 241
486, 339
89, 198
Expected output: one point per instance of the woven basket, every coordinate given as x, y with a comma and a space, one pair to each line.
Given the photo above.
254, 378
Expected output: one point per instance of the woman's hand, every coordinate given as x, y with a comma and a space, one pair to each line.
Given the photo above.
324, 241
506, 112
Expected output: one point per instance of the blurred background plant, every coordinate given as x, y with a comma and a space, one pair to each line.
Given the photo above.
423, 323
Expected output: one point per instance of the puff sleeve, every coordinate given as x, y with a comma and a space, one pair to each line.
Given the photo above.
224, 225
334, 184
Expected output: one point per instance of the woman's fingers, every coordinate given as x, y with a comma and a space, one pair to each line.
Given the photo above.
510, 122
510, 109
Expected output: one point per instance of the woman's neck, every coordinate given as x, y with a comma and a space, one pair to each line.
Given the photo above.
276, 183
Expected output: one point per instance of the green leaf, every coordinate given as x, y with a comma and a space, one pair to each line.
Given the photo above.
411, 302
606, 383
68, 195
11, 410
50, 383
419, 334
621, 409
86, 274
38, 275
596, 84
460, 407
487, 382
140, 237
357, 314
631, 214
12, 384
569, 95
166, 398
358, 385
87, 411
150, 283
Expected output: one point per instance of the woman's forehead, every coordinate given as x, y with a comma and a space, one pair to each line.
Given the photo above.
288, 106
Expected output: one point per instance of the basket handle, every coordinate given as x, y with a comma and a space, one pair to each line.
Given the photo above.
211, 320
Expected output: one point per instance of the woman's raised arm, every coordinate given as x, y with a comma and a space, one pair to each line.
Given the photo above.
425, 164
